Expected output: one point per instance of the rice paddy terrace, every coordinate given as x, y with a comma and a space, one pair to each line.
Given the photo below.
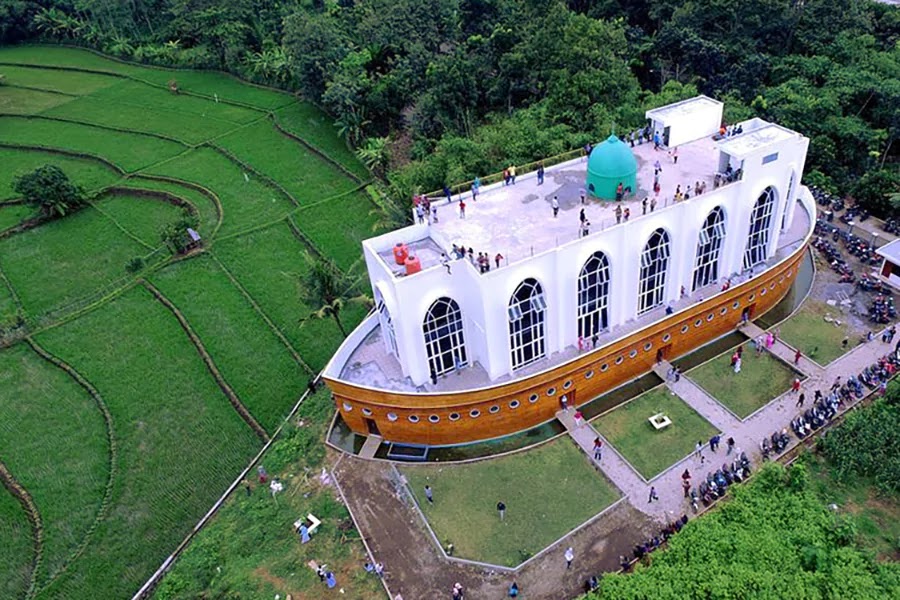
131, 398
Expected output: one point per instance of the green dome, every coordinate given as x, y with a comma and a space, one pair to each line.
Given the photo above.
609, 164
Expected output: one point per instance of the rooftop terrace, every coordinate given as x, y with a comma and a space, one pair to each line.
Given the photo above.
517, 220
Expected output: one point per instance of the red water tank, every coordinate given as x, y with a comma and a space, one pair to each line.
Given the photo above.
400, 253
413, 265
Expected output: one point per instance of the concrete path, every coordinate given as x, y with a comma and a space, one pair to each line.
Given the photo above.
708, 407
370, 447
785, 352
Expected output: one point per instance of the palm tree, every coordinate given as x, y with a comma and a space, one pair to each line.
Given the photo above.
326, 286
375, 154
394, 205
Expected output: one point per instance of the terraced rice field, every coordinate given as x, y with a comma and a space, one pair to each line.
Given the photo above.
131, 398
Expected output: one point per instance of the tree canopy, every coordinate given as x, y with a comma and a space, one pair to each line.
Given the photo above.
50, 190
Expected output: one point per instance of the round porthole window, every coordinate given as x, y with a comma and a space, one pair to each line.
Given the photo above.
751, 298
736, 305
533, 398
620, 360
710, 317
698, 322
632, 354
763, 291
772, 286
434, 418
567, 384
413, 419
474, 413
667, 337
551, 391
790, 273
684, 329
589, 374
723, 310
367, 412
514, 404
453, 416
347, 407
391, 417
781, 279
604, 367
648, 346
494, 409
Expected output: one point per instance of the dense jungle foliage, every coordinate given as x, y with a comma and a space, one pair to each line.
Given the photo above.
437, 91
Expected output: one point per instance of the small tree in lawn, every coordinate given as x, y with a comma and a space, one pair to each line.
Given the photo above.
50, 190
327, 290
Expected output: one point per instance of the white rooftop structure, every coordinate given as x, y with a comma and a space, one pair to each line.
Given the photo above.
558, 284
682, 122
890, 251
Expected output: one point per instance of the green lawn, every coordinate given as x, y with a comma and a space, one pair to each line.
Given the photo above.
68, 82
205, 205
761, 379
252, 360
337, 227
89, 174
140, 216
54, 441
650, 451
246, 201
180, 442
317, 128
304, 175
65, 260
127, 150
548, 492
269, 264
14, 214
7, 304
62, 57
16, 551
816, 338
19, 101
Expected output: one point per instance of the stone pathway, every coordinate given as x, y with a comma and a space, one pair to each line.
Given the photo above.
370, 447
785, 352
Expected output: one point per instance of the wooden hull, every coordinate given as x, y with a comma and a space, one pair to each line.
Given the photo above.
484, 413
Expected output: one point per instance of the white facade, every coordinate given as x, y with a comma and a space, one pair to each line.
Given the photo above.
775, 160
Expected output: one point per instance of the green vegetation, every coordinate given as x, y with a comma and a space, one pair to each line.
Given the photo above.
237, 336
251, 550
338, 226
17, 550
130, 151
65, 260
648, 450
19, 101
817, 338
762, 378
49, 190
88, 174
47, 415
867, 444
547, 491
774, 538
179, 441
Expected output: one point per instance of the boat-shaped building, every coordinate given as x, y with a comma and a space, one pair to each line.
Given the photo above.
576, 303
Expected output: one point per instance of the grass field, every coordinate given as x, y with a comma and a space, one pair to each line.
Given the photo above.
54, 440
16, 551
130, 151
819, 340
547, 491
237, 336
179, 441
650, 451
14, 214
89, 174
762, 378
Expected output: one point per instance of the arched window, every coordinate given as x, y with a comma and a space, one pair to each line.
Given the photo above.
654, 263
527, 309
444, 338
387, 325
706, 265
760, 229
593, 296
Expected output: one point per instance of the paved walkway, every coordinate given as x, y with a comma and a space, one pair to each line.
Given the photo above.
785, 352
370, 447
